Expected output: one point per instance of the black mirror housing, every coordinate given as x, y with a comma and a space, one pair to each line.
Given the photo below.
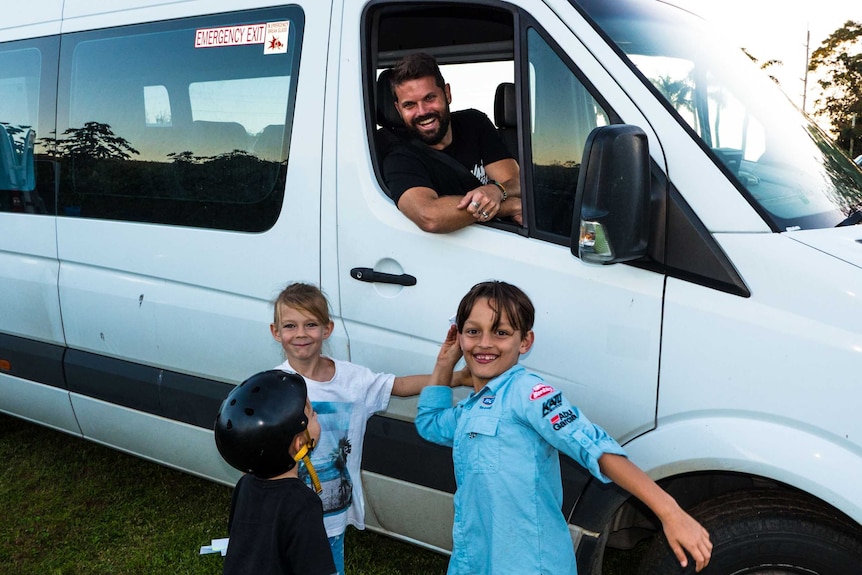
611, 220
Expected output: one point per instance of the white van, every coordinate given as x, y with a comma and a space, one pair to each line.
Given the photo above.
166, 167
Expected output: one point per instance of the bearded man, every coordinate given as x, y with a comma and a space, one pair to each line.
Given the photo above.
424, 186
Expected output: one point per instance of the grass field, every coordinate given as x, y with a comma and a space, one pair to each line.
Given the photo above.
71, 507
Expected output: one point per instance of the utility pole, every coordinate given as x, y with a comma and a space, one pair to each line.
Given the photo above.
852, 133
805, 76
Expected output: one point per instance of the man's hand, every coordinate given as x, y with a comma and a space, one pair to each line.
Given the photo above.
486, 202
483, 202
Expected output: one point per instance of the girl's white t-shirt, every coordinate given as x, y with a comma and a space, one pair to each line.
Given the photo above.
343, 405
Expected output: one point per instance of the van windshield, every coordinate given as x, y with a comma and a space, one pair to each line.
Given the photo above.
790, 170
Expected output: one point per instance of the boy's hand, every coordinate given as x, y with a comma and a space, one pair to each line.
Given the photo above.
450, 351
683, 534
462, 377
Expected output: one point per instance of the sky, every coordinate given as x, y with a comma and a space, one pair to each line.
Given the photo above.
771, 29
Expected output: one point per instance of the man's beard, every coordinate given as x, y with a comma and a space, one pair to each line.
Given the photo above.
432, 139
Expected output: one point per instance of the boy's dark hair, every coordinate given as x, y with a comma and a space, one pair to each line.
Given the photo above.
414, 66
502, 297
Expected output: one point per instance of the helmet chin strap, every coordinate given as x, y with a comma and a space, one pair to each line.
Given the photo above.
304, 455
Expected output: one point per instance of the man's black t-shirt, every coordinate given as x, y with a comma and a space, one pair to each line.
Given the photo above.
475, 144
276, 528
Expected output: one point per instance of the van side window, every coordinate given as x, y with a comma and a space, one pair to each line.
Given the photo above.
562, 114
182, 122
26, 114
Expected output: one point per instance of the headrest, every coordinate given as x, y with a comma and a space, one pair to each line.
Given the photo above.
505, 112
387, 115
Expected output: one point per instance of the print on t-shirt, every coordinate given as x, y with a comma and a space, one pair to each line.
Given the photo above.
330, 457
479, 172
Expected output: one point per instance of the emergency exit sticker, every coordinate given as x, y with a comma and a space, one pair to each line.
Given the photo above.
273, 36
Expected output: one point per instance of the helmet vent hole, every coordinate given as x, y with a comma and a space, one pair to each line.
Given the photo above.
249, 411
229, 425
256, 389
233, 401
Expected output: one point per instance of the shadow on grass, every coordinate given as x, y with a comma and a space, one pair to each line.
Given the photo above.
72, 507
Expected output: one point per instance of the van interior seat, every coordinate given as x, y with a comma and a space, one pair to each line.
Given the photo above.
208, 138
506, 116
16, 164
387, 117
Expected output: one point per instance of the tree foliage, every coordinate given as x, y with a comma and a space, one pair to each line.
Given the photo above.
767, 66
95, 141
838, 62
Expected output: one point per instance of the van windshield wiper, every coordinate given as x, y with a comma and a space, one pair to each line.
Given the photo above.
853, 219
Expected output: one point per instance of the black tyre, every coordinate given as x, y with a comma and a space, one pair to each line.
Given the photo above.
768, 533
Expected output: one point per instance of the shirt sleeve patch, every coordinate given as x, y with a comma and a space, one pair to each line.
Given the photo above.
563, 418
540, 390
550, 405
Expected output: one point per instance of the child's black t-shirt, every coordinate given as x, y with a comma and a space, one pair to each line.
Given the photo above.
276, 528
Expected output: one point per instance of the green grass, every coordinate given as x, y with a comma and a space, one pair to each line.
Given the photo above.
71, 507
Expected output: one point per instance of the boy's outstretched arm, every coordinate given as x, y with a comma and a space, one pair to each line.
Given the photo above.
683, 532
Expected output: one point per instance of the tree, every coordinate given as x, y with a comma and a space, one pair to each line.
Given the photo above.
95, 141
765, 66
839, 63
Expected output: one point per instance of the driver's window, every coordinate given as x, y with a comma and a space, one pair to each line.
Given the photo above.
562, 114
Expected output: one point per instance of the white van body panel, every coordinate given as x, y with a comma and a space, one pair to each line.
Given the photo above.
31, 19
89, 14
157, 439
28, 278
43, 404
803, 309
743, 442
844, 244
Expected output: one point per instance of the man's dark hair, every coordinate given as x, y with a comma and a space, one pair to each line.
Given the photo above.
415, 66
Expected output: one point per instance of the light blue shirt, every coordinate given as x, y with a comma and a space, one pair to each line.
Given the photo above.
505, 441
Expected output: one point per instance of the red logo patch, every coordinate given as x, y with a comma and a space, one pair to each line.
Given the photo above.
541, 390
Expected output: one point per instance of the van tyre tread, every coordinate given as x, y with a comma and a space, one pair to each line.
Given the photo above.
768, 532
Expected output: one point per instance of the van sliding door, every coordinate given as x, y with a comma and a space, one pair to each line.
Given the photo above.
185, 205
31, 330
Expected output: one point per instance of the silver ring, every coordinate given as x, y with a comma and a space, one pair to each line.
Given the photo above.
474, 204
485, 215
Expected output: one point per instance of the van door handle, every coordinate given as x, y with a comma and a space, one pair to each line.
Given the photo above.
369, 275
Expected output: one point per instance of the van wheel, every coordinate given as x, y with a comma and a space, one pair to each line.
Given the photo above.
768, 533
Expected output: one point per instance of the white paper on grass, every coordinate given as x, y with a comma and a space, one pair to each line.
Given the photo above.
217, 546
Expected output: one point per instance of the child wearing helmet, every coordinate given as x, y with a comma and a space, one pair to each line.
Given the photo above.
264, 427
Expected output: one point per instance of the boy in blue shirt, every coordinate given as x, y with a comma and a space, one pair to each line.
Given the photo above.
505, 439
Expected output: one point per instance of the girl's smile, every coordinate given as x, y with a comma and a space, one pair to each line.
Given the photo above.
300, 333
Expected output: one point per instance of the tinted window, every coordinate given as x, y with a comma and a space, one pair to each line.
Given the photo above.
26, 125
183, 122
562, 115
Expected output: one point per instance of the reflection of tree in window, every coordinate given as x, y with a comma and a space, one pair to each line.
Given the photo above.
563, 115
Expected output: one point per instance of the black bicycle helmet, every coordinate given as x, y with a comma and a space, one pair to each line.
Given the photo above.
259, 419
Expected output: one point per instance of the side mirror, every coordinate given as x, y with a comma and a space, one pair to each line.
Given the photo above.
612, 201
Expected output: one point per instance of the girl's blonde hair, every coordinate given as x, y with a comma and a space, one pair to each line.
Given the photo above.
304, 297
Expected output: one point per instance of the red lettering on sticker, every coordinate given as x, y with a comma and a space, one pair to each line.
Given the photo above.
541, 390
